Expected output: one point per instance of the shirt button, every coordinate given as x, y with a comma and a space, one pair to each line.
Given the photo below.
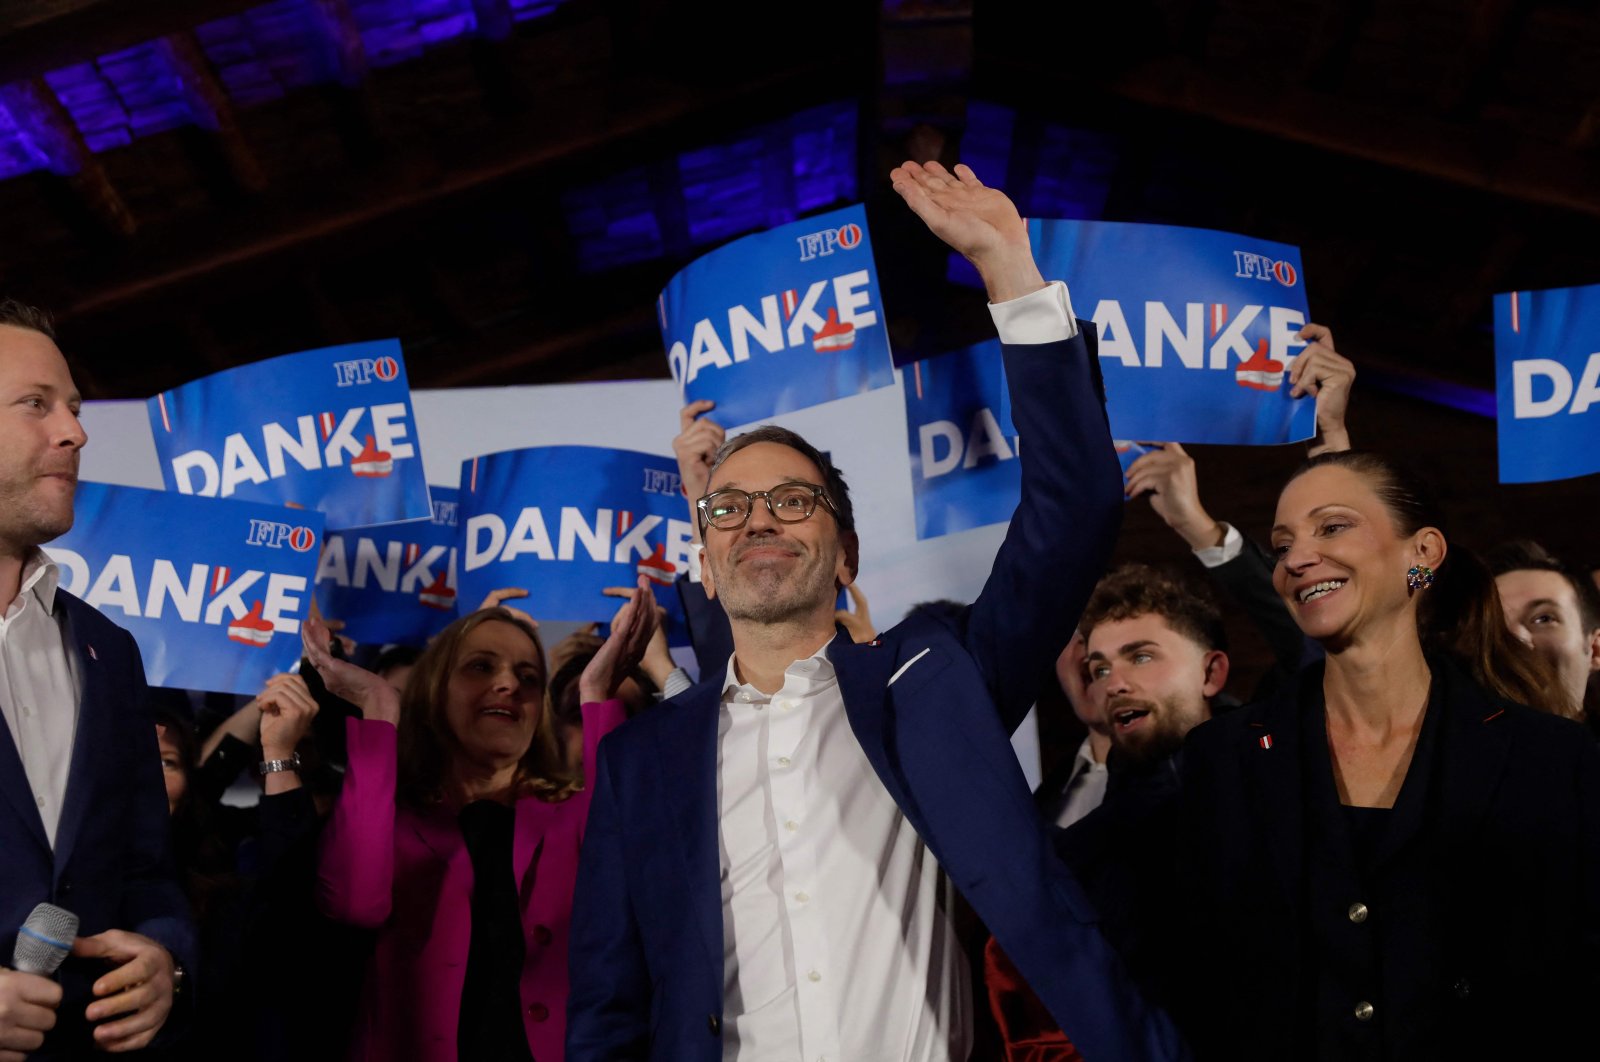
41, 802
1363, 1011
783, 761
813, 976
802, 897
791, 825
538, 1011
1357, 913
27, 711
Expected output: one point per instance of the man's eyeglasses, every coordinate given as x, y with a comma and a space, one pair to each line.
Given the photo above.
729, 510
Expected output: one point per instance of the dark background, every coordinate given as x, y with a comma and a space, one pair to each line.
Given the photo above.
507, 184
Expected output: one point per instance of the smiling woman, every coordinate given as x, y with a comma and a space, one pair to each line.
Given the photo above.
473, 717
1341, 845
457, 832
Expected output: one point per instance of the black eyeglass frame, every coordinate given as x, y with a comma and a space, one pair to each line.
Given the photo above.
818, 493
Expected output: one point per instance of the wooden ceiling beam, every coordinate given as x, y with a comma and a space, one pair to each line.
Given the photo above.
37, 36
214, 112
69, 157
381, 195
1517, 168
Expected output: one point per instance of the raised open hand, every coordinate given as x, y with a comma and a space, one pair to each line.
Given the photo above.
978, 222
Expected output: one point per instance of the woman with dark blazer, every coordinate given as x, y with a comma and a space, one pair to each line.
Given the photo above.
1397, 858
1394, 859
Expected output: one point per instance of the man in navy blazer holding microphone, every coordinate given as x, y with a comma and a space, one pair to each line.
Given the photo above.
772, 858
83, 810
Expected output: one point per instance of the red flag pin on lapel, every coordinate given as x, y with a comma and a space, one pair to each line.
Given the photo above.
1265, 741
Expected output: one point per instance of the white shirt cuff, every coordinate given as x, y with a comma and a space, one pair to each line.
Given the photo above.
676, 683
1216, 556
1045, 316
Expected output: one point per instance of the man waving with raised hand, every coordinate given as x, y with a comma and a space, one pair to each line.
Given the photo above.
772, 859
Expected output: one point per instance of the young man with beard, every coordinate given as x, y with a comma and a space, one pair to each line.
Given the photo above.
1157, 660
772, 858
1156, 657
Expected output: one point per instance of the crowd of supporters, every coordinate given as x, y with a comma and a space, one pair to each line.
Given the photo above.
1388, 847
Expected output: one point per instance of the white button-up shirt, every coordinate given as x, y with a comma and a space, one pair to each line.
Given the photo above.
838, 932
39, 686
1086, 786
838, 928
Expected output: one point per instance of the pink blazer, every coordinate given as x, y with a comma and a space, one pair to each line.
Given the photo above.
409, 876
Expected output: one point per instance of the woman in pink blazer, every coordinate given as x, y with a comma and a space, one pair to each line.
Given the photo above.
459, 824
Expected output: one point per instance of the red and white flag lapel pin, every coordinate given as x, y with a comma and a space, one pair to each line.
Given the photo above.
1265, 741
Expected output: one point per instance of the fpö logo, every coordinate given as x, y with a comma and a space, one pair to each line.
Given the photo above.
275, 535
365, 370
821, 244
1248, 264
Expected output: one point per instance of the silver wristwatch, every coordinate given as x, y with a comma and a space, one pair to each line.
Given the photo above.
274, 766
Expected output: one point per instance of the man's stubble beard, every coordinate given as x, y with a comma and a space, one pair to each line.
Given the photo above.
1164, 738
767, 595
28, 522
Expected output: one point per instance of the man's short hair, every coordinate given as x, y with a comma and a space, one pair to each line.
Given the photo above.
832, 478
1139, 589
1522, 554
21, 315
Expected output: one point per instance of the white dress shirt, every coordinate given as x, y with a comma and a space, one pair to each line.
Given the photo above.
39, 685
1086, 786
839, 940
838, 934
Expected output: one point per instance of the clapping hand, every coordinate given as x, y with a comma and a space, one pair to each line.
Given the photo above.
375, 697
631, 630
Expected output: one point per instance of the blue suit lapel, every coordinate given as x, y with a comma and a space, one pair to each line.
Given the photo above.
689, 786
864, 672
89, 739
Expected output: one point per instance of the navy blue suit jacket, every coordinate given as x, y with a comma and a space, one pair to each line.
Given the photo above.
932, 704
110, 865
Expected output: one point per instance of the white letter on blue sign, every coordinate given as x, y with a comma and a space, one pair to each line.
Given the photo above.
850, 296
1524, 406
1588, 387
743, 327
1161, 327
183, 464
478, 557
1115, 342
164, 583
930, 434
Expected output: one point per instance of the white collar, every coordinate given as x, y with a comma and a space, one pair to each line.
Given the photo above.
814, 668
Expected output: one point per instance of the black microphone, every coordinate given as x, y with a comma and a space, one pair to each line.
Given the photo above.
44, 940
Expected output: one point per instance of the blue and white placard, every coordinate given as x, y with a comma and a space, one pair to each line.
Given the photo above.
328, 429
780, 320
213, 591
